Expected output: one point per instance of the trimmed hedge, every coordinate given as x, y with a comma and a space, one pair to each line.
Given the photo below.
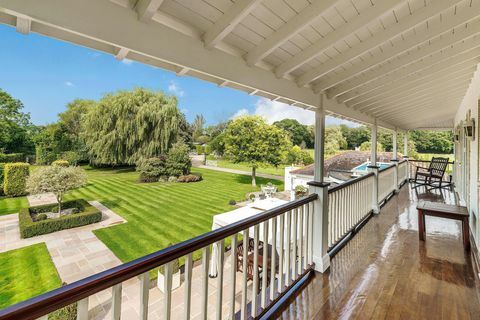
2, 165
15, 179
12, 157
60, 163
29, 228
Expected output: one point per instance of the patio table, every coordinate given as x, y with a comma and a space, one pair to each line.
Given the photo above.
252, 209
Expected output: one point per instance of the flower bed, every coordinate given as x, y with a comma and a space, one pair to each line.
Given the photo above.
87, 214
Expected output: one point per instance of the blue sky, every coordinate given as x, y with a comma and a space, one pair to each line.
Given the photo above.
46, 74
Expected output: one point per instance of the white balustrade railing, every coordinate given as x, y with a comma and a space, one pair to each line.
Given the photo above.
270, 258
402, 172
348, 204
386, 183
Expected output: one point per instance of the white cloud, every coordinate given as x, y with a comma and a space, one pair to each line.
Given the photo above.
127, 61
175, 89
275, 111
69, 84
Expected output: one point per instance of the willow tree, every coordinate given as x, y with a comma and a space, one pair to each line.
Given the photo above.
129, 125
251, 140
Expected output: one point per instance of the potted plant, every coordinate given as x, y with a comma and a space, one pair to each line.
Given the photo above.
175, 276
300, 191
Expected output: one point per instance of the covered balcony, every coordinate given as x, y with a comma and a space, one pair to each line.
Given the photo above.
351, 251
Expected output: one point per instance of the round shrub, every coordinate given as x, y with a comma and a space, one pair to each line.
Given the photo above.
60, 163
178, 160
151, 169
172, 179
15, 178
232, 202
190, 178
41, 216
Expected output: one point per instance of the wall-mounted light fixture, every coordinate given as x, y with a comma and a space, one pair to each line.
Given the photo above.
469, 129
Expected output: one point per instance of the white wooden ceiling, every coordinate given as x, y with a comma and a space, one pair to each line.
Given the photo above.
403, 63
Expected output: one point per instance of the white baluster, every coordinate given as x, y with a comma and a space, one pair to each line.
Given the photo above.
273, 266
256, 230
167, 289
264, 264
144, 287
187, 300
116, 301
45, 317
244, 274
233, 274
281, 253
310, 233
300, 245
295, 243
221, 254
287, 249
204, 292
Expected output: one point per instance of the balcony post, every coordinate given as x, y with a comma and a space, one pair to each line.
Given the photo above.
320, 257
374, 168
405, 153
395, 159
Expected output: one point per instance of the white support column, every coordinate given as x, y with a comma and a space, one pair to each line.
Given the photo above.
374, 168
320, 206
395, 159
405, 153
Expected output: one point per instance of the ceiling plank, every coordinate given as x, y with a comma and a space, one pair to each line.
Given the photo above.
146, 9
289, 29
447, 25
417, 17
234, 15
122, 53
372, 13
466, 50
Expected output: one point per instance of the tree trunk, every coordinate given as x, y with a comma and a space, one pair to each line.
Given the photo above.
59, 200
254, 182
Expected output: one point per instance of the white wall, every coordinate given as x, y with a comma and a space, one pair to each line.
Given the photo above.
470, 103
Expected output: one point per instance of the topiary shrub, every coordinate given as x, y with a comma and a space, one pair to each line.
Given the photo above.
28, 228
151, 169
15, 178
178, 160
40, 217
172, 179
60, 163
189, 178
232, 202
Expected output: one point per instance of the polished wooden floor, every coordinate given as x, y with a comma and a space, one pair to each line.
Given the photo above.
385, 272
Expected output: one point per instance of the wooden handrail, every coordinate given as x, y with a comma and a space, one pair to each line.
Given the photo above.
428, 161
350, 182
61, 297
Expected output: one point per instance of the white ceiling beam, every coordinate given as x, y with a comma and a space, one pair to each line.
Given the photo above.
411, 97
417, 81
24, 25
417, 102
223, 84
230, 19
121, 53
459, 20
84, 23
445, 58
427, 116
374, 12
183, 71
437, 122
289, 29
417, 17
146, 9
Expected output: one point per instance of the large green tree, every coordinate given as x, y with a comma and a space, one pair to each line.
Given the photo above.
129, 125
250, 139
299, 134
16, 130
334, 140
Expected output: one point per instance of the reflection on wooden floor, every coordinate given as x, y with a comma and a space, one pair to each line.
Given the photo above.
384, 272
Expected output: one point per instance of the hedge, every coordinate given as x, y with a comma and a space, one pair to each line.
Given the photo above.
15, 179
12, 157
2, 165
29, 228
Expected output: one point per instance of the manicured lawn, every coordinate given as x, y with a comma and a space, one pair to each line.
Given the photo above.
25, 273
160, 213
11, 205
